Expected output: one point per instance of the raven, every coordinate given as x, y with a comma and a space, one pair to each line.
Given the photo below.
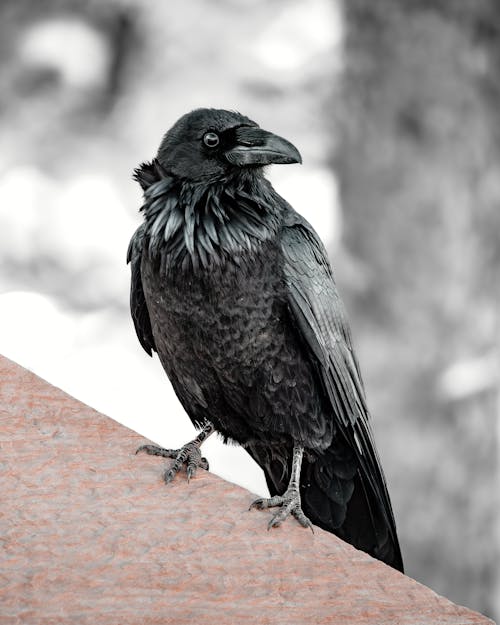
233, 290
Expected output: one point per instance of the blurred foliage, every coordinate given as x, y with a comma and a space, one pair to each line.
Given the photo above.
419, 168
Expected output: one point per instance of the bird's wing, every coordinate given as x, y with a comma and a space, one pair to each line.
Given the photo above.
319, 316
138, 307
319, 313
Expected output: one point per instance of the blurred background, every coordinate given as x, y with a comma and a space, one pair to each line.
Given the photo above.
395, 107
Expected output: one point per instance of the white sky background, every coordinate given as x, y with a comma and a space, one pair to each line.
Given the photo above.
93, 353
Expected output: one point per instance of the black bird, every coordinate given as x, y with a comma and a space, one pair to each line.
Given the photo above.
233, 290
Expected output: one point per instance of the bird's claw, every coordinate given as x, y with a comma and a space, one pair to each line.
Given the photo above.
189, 454
289, 503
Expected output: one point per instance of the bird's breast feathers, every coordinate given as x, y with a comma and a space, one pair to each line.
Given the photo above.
191, 228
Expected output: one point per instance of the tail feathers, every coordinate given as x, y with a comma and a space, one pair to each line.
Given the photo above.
347, 505
339, 498
369, 526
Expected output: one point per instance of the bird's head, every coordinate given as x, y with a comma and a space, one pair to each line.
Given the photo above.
210, 144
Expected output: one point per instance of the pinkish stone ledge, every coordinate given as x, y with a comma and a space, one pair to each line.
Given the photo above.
90, 534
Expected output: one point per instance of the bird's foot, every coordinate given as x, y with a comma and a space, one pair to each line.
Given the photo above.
189, 454
289, 503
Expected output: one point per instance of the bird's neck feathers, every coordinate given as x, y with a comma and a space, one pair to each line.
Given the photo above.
194, 226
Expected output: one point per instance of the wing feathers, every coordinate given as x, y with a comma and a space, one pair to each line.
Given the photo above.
320, 318
138, 307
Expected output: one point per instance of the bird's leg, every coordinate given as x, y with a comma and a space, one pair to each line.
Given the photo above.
289, 502
189, 453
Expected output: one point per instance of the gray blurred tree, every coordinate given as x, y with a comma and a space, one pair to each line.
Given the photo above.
419, 165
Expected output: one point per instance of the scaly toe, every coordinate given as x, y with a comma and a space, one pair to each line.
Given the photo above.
276, 520
190, 471
283, 514
302, 519
174, 469
154, 450
189, 454
169, 475
262, 502
289, 503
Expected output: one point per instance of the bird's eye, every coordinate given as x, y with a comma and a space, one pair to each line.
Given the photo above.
211, 139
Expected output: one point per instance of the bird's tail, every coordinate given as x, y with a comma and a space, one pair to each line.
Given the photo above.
365, 520
338, 496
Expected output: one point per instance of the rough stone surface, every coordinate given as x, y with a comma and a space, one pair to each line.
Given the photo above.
90, 534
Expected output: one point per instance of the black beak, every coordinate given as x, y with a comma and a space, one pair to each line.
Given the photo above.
255, 146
